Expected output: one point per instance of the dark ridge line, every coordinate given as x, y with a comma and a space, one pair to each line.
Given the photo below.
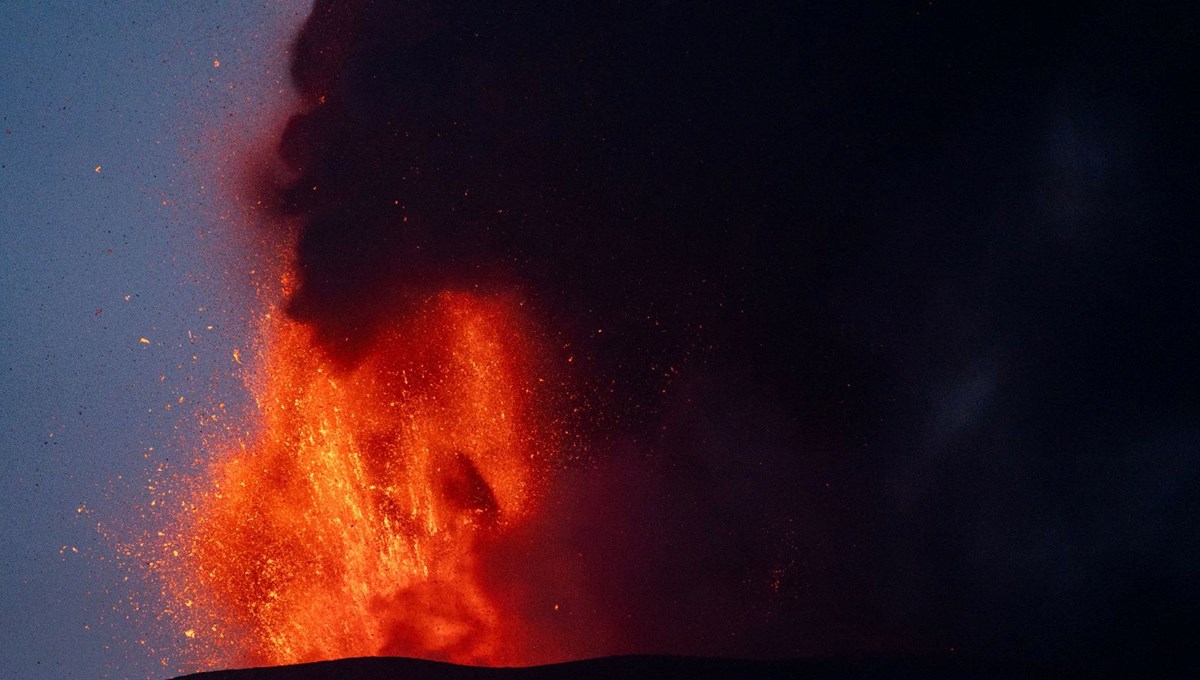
658, 667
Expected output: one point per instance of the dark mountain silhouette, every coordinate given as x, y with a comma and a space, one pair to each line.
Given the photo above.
667, 667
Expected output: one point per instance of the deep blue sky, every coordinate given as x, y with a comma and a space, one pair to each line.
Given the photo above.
130, 87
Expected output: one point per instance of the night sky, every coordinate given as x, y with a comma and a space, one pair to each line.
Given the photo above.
882, 316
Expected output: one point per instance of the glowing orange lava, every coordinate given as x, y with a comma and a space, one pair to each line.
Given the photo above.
351, 525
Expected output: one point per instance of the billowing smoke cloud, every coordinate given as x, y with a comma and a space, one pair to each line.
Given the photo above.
469, 147
878, 316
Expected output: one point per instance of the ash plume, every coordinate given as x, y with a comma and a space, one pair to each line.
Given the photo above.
854, 303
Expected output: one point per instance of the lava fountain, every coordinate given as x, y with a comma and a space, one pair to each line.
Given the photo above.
351, 525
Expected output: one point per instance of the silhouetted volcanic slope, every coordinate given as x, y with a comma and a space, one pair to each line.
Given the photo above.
641, 666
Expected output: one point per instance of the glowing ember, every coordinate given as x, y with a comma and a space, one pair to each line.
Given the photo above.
351, 526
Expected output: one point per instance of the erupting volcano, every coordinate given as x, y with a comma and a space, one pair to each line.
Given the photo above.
601, 339
480, 433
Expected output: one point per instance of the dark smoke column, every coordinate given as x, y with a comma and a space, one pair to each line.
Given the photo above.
629, 173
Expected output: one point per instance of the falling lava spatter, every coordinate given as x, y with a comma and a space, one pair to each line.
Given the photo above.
350, 526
